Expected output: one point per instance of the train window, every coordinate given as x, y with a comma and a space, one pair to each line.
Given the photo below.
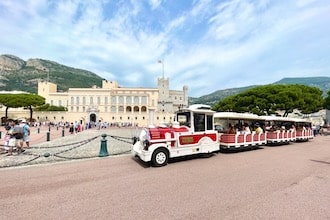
209, 119
184, 118
199, 122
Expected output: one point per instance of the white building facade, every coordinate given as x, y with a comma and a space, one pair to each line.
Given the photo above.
113, 104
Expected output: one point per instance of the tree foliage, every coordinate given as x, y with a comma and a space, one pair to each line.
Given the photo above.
266, 100
47, 107
21, 100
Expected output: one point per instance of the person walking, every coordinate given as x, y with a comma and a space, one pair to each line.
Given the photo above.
26, 134
16, 134
7, 138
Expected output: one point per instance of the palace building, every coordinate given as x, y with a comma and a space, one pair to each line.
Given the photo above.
114, 104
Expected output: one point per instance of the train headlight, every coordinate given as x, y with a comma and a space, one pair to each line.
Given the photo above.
144, 138
146, 144
135, 139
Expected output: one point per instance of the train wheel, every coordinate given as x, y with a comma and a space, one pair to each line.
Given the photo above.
159, 157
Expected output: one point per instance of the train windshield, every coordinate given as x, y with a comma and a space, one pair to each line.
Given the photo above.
184, 118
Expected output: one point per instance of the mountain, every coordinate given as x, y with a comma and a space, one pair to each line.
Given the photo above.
321, 82
17, 74
214, 97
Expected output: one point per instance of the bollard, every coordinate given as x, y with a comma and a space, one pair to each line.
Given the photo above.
0, 134
103, 149
38, 130
63, 132
57, 128
48, 136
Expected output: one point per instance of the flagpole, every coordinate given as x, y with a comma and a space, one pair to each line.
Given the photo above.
162, 62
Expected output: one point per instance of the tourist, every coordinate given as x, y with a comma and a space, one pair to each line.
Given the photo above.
71, 128
246, 129
26, 134
7, 138
16, 134
259, 129
232, 130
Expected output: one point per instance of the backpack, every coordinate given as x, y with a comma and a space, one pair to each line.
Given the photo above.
19, 133
26, 130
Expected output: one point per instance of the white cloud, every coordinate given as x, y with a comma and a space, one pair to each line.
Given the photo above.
154, 4
207, 45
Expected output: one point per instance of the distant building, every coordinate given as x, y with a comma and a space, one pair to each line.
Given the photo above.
327, 119
114, 104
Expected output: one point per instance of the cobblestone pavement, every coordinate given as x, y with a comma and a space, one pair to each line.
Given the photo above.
85, 144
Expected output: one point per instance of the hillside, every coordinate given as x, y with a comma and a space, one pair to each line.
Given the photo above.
321, 82
17, 74
214, 97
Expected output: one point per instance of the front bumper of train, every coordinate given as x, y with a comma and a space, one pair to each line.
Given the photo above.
138, 151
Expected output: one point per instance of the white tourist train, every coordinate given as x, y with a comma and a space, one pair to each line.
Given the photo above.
199, 130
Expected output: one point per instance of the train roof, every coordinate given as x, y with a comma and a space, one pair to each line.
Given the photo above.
236, 115
198, 108
250, 116
278, 118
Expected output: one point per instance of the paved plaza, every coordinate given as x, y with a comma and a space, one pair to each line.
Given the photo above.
278, 182
82, 145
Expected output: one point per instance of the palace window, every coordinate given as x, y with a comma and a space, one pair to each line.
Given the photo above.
143, 100
136, 100
121, 100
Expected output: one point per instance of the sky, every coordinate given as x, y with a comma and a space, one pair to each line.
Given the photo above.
207, 45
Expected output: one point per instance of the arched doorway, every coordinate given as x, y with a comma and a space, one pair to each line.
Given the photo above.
92, 117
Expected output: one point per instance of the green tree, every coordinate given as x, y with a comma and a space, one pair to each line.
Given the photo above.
47, 107
21, 100
266, 100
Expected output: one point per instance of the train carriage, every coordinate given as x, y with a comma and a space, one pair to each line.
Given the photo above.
304, 130
239, 138
279, 130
